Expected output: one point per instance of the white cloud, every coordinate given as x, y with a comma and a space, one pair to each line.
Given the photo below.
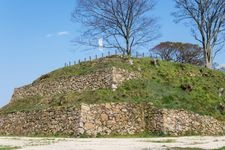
222, 65
63, 33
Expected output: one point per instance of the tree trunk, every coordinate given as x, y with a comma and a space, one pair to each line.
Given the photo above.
128, 49
208, 58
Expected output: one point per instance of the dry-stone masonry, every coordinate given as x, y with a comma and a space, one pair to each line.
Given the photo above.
114, 118
42, 122
106, 78
100, 119
181, 122
108, 118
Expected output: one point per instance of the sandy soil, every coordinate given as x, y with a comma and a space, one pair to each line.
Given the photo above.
26, 143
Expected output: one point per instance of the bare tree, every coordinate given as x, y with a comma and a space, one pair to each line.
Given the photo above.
123, 24
207, 18
179, 52
164, 50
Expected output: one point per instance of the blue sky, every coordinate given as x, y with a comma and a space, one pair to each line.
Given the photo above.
35, 38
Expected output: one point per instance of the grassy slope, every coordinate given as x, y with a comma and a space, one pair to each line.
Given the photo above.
159, 85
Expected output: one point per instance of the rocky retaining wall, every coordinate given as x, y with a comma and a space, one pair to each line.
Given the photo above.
181, 122
43, 122
109, 118
114, 118
106, 78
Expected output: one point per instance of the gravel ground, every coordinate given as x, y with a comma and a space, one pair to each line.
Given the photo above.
26, 143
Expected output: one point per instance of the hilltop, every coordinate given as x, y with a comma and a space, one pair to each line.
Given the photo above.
163, 84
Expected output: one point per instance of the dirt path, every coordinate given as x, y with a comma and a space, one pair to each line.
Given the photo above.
113, 143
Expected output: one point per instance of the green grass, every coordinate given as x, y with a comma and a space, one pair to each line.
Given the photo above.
179, 148
84, 68
8, 147
163, 85
144, 134
160, 141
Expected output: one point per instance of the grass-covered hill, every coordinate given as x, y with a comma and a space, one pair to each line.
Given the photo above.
166, 85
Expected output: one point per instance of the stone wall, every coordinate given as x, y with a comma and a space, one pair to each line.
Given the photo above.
45, 122
114, 118
181, 122
102, 119
109, 118
106, 78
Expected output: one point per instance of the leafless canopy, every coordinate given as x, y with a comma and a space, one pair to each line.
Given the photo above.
123, 24
207, 18
179, 52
